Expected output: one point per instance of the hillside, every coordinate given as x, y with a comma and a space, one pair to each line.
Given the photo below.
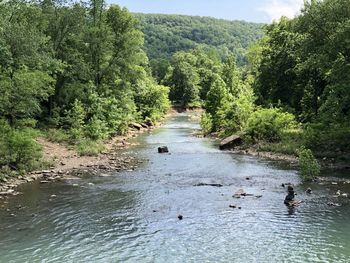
167, 34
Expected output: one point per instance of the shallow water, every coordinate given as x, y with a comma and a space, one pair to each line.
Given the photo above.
132, 216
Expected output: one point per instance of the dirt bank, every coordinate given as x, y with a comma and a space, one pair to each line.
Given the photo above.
67, 163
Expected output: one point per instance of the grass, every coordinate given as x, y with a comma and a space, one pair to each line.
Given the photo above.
87, 147
56, 135
290, 142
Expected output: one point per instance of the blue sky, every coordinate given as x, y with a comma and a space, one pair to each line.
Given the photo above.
250, 10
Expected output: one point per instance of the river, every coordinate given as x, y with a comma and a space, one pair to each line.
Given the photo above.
133, 216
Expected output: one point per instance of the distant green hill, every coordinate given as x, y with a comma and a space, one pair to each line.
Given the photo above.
167, 34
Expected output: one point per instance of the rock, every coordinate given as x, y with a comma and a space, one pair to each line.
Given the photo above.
293, 202
53, 196
204, 184
232, 206
247, 178
144, 125
344, 195
163, 149
135, 126
333, 204
258, 196
149, 123
230, 142
180, 217
334, 183
44, 182
240, 193
308, 191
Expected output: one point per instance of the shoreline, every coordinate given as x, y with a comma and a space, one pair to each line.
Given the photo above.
69, 165
326, 163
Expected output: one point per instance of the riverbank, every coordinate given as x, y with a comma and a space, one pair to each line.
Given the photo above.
66, 163
256, 151
284, 151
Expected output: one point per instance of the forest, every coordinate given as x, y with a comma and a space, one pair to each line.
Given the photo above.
72, 72
168, 34
80, 73
292, 97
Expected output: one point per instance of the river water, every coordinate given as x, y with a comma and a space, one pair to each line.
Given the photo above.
133, 216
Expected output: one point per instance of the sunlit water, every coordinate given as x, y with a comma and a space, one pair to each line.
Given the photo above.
133, 216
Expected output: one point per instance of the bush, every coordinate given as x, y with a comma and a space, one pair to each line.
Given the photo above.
309, 166
96, 129
206, 123
18, 149
269, 124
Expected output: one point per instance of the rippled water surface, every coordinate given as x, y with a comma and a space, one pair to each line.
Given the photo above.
132, 216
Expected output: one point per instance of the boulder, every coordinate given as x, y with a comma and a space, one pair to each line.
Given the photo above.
135, 125
149, 123
163, 149
144, 125
230, 142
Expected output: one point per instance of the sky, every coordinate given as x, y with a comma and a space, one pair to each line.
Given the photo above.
262, 11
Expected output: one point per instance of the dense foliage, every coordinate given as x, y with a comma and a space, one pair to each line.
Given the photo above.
293, 92
305, 67
76, 67
168, 34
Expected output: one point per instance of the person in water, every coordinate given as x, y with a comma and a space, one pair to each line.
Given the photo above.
290, 196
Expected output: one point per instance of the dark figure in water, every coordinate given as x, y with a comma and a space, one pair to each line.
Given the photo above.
290, 196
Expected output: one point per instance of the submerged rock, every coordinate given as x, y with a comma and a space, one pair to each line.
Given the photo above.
308, 191
240, 193
204, 184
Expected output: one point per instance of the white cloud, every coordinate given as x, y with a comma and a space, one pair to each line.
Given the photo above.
274, 9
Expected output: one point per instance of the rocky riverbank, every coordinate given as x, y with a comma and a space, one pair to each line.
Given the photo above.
66, 163
235, 144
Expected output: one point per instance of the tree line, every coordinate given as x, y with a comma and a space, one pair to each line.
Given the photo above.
294, 92
168, 34
75, 70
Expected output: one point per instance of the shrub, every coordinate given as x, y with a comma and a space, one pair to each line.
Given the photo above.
269, 124
309, 166
96, 129
206, 123
18, 149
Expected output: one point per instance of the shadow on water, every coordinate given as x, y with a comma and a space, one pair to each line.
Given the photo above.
133, 216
